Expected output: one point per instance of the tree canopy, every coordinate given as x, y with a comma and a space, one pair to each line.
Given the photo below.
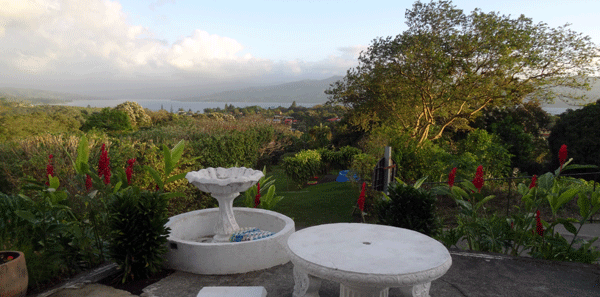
448, 66
580, 131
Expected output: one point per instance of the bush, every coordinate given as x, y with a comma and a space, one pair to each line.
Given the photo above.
340, 159
302, 166
108, 120
410, 208
138, 232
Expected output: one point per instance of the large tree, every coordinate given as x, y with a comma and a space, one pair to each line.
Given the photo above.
447, 66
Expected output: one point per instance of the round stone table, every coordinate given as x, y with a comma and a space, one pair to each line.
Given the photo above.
365, 259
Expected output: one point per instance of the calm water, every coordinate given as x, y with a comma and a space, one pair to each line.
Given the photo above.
176, 105
200, 106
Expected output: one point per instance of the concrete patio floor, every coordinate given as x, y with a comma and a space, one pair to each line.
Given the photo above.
471, 274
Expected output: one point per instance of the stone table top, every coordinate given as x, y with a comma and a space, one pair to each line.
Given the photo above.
367, 254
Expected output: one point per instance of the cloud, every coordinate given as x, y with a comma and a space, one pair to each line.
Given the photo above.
43, 36
91, 46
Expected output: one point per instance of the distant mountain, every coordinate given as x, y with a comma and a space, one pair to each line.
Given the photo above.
40, 96
304, 91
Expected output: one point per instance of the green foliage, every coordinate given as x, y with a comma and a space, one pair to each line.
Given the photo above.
362, 165
318, 136
170, 157
488, 151
520, 129
302, 166
35, 122
409, 207
108, 119
338, 159
520, 232
243, 147
138, 232
448, 65
135, 112
268, 196
580, 131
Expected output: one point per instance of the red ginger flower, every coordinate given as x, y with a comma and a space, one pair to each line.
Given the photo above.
104, 165
88, 182
562, 155
257, 197
478, 180
49, 168
533, 181
538, 224
361, 198
129, 169
451, 177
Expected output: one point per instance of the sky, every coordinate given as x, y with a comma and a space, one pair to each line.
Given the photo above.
168, 49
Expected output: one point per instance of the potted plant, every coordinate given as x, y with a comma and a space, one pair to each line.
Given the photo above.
13, 274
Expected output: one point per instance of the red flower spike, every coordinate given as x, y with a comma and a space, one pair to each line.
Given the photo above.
538, 224
129, 170
49, 168
104, 165
361, 198
533, 181
9, 258
88, 182
478, 180
562, 155
257, 197
451, 177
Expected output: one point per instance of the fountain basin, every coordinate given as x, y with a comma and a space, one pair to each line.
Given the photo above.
190, 246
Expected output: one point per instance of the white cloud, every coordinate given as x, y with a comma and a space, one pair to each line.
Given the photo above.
92, 43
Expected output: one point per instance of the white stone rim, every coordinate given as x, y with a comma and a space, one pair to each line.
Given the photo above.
289, 225
224, 176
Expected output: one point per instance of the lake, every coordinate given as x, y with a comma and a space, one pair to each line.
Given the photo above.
176, 105
200, 106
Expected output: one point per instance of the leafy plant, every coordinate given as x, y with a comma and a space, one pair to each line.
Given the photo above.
138, 232
171, 157
268, 198
409, 207
302, 166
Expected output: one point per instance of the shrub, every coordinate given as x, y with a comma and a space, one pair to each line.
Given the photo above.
138, 232
136, 113
302, 166
340, 159
108, 120
408, 207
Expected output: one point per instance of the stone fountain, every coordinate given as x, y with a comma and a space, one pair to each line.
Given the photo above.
201, 241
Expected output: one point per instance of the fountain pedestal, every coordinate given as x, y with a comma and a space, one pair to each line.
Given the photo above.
224, 184
226, 224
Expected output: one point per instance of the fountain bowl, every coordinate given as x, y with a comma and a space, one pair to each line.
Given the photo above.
191, 249
224, 180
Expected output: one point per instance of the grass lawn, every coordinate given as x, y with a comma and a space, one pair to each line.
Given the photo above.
331, 202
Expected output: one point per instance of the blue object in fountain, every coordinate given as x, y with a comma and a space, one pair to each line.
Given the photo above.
343, 176
248, 234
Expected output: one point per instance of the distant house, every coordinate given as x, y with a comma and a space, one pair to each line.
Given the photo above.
277, 119
336, 119
289, 120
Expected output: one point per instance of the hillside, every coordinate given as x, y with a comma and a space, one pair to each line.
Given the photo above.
40, 96
305, 91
